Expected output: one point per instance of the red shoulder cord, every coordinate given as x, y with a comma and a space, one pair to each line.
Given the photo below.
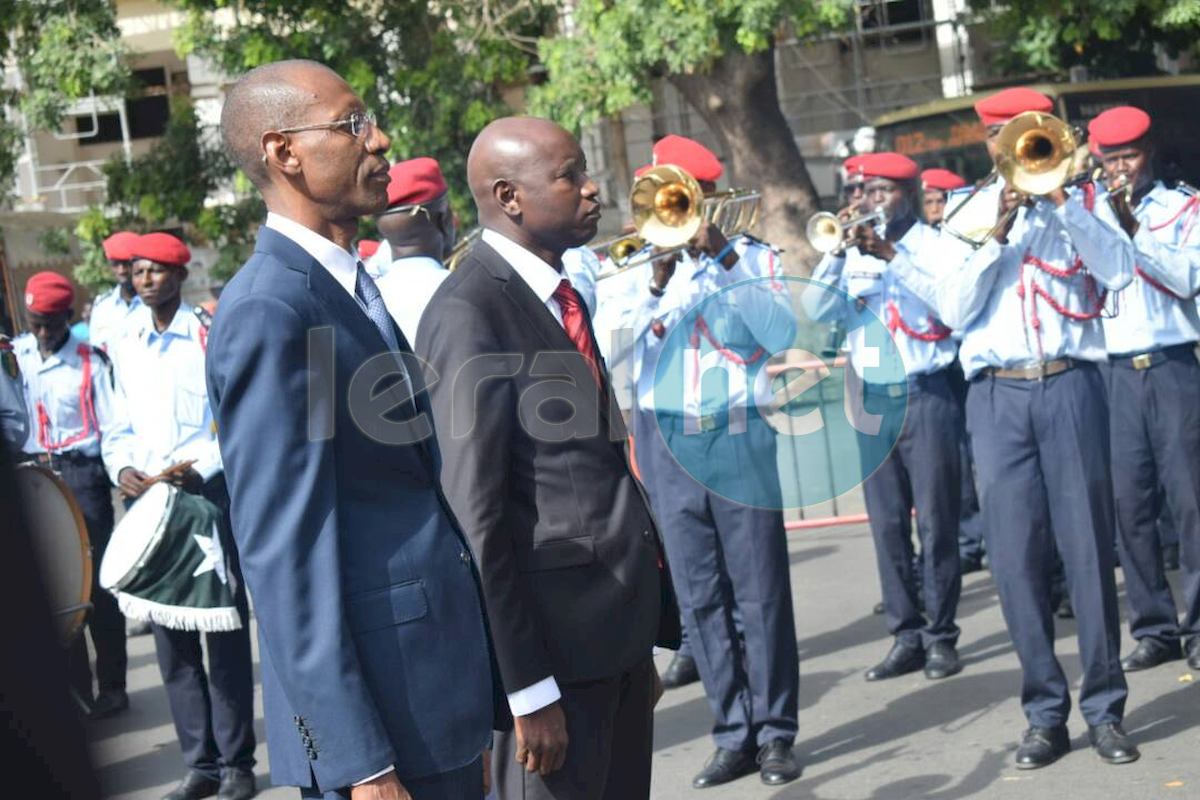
701, 329
936, 332
1191, 207
86, 407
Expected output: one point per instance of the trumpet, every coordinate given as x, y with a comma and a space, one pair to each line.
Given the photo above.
461, 247
668, 209
1036, 153
828, 234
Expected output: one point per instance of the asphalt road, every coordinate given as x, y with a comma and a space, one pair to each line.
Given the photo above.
899, 739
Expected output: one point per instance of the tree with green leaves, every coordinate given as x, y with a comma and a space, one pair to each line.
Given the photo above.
1111, 38
720, 55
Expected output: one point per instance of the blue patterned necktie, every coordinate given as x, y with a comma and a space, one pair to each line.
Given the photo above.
366, 291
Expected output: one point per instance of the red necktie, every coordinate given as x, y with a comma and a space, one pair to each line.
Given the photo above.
576, 326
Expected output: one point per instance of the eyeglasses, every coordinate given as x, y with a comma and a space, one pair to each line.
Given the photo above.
359, 123
411, 211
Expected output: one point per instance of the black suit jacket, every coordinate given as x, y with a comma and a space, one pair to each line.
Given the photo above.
537, 471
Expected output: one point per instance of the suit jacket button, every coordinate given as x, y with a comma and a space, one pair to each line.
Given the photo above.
464, 557
646, 535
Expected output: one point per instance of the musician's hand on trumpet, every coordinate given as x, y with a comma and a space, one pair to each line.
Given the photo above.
1120, 191
869, 242
711, 241
1010, 198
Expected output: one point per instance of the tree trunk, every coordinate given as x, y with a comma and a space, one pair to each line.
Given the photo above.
739, 99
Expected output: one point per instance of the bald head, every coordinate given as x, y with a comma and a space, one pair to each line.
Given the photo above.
266, 98
529, 180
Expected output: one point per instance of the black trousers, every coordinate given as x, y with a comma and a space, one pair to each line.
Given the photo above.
213, 709
610, 728
1042, 459
922, 470
89, 483
726, 556
1155, 431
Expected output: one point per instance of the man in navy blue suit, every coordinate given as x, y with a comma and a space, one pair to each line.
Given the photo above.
378, 678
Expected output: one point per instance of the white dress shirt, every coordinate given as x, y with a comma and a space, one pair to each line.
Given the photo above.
543, 279
995, 294
56, 385
1168, 253
406, 286
162, 398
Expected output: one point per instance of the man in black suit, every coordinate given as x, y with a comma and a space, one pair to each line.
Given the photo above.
537, 470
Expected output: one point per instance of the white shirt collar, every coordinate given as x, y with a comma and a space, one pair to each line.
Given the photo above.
542, 278
419, 262
337, 261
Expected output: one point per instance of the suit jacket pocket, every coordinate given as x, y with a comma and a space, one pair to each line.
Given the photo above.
561, 553
387, 607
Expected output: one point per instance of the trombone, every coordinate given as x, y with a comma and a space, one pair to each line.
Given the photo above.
668, 209
1036, 153
826, 232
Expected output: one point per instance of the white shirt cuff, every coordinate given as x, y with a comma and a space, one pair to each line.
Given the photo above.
379, 774
534, 698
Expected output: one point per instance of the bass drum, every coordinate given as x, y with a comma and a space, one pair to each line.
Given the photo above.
60, 544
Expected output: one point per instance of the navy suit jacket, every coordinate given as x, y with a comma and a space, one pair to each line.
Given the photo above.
373, 642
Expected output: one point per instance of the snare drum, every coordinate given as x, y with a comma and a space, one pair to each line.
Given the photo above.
60, 543
137, 536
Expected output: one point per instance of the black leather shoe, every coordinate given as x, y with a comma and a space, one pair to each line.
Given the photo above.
1170, 555
680, 672
1041, 747
1112, 745
878, 609
1065, 610
1193, 653
900, 660
108, 703
193, 787
237, 784
778, 763
969, 564
723, 767
1151, 652
941, 661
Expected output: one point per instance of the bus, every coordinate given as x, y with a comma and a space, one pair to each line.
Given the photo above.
947, 133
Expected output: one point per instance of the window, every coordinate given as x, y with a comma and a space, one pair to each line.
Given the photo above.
147, 108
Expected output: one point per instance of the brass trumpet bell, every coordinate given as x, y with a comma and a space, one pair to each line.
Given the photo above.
1035, 152
667, 205
824, 232
624, 248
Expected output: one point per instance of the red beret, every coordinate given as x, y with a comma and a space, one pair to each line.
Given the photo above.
367, 247
117, 247
944, 179
690, 156
892, 166
48, 293
415, 181
1118, 126
998, 108
162, 248
852, 166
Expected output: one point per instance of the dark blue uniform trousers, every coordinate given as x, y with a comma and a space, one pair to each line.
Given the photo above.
89, 483
1042, 456
918, 458
213, 711
970, 525
1155, 431
724, 555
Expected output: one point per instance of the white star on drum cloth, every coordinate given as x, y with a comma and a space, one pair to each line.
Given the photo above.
214, 556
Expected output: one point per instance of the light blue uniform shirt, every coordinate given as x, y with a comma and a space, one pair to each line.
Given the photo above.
870, 279
581, 266
78, 416
1004, 303
1168, 252
757, 315
165, 416
112, 316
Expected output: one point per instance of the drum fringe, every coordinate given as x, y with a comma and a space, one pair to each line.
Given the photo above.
180, 618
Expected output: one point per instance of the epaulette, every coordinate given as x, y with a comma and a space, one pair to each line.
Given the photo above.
755, 240
203, 316
1186, 188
